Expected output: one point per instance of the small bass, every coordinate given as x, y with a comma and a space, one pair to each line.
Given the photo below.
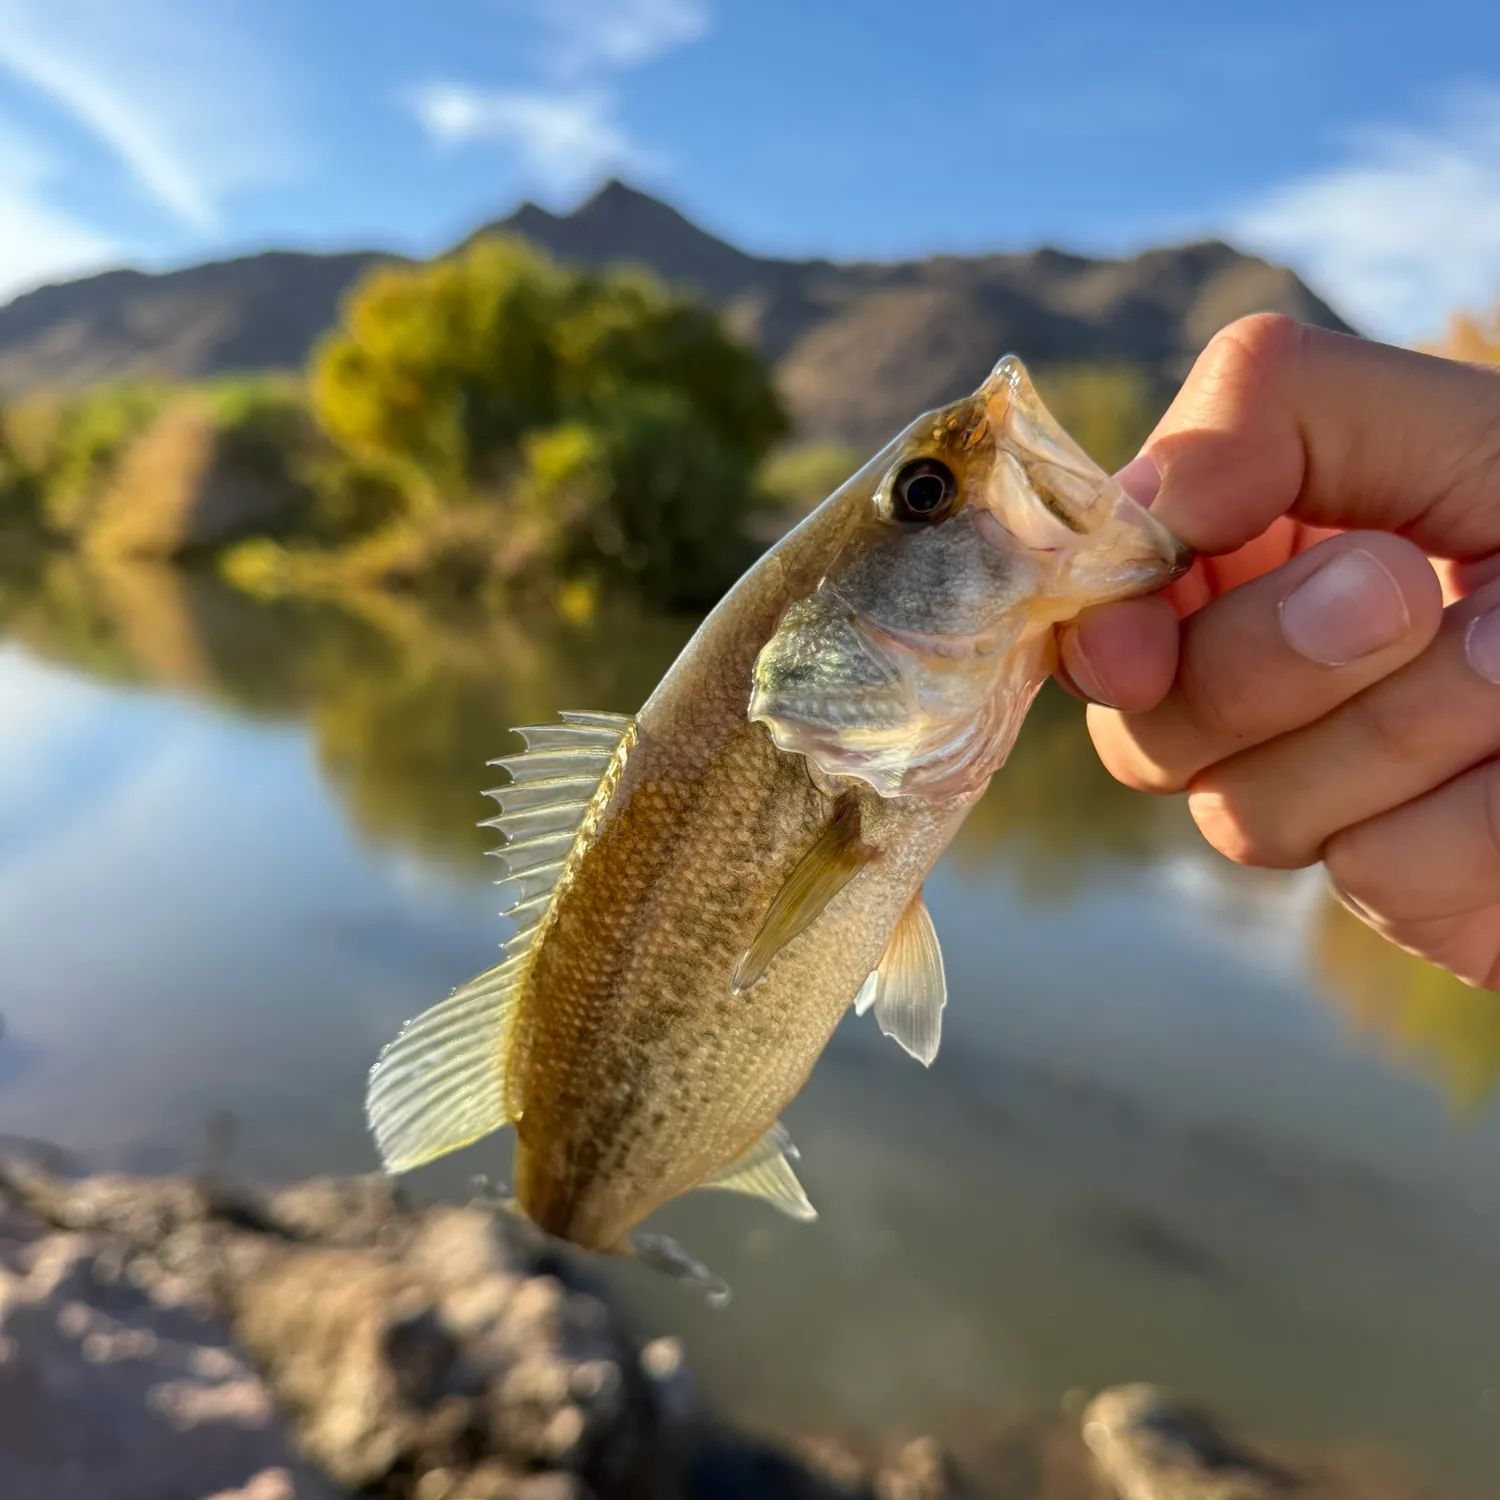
702, 890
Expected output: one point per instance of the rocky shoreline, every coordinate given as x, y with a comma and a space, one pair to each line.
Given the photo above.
170, 1339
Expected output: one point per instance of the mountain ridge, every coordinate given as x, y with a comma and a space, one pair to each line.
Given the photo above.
858, 347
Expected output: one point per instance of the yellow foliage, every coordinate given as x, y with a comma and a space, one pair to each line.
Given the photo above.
215, 465
1417, 1009
1474, 339
615, 425
1109, 410
801, 477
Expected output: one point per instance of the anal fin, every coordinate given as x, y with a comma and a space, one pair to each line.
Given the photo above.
908, 989
832, 862
764, 1172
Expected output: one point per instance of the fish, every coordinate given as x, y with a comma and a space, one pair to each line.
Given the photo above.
702, 889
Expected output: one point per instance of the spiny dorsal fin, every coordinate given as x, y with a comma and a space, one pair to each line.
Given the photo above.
908, 989
764, 1172
832, 862
441, 1084
553, 784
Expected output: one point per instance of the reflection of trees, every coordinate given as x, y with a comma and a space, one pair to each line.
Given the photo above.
1060, 812
1417, 1009
406, 741
405, 703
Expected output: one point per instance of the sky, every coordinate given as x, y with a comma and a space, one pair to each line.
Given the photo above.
1357, 140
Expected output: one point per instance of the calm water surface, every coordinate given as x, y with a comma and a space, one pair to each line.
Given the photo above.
1190, 1124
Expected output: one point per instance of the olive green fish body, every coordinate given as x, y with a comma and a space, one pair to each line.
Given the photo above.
703, 890
637, 1070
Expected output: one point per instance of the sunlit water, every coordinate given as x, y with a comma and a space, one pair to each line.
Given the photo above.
1189, 1124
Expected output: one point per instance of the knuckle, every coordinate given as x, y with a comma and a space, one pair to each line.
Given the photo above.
1387, 727
1208, 699
1231, 825
1253, 352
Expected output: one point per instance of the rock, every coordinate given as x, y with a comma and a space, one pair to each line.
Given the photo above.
106, 1396
1149, 1445
413, 1353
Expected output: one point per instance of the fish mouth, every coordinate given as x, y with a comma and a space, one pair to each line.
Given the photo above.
1174, 557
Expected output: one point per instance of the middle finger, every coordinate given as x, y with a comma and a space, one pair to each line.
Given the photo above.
1275, 653
1279, 803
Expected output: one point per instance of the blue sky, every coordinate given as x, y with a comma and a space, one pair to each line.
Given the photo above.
1358, 141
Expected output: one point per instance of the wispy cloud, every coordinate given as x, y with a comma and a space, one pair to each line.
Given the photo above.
175, 89
564, 130
39, 243
1402, 232
589, 35
565, 138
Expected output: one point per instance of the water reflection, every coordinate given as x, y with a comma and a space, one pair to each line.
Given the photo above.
1421, 1014
405, 703
1187, 1124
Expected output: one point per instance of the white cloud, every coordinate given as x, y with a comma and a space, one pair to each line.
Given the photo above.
616, 34
565, 133
175, 90
567, 138
1405, 230
37, 242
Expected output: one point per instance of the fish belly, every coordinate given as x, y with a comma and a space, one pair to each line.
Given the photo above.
637, 1070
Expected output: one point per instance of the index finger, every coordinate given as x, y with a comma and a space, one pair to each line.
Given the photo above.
1281, 419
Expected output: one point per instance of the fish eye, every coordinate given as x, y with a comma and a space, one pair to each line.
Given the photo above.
923, 490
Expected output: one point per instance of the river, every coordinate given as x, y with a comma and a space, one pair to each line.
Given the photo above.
1190, 1123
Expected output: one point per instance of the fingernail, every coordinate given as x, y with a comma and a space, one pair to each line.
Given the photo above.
1482, 645
1080, 669
1349, 608
1140, 479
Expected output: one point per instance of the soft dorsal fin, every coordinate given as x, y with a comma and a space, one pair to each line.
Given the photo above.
441, 1084
764, 1172
832, 862
553, 784
908, 989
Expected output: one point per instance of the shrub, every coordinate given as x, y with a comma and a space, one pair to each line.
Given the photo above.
1109, 410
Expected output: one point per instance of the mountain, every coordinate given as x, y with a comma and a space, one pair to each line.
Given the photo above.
260, 312
858, 348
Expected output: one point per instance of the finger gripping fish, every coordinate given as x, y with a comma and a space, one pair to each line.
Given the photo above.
702, 891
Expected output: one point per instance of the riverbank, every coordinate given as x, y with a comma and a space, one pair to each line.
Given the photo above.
170, 1338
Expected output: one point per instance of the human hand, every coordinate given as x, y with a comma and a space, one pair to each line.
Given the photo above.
1323, 692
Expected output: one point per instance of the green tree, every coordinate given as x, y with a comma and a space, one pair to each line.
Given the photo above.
17, 493
77, 441
614, 414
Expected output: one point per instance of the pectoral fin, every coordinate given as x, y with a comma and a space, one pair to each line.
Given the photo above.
764, 1172
821, 873
908, 990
